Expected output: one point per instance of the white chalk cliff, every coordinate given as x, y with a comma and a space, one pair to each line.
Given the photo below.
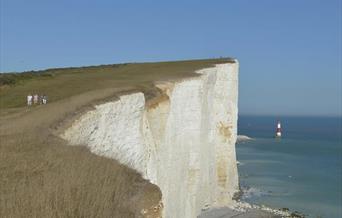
184, 142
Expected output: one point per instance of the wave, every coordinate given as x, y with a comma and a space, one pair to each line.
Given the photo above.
243, 138
252, 193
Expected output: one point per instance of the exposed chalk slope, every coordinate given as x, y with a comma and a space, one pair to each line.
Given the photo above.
184, 142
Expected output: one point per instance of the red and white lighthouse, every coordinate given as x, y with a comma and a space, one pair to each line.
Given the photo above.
278, 131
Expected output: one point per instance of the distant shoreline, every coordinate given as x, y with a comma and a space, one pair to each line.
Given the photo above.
245, 210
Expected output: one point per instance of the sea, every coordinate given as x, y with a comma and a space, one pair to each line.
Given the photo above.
300, 171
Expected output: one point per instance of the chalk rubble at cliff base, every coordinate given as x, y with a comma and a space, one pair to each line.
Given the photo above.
243, 210
184, 143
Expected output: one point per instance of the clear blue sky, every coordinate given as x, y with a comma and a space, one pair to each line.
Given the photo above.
289, 51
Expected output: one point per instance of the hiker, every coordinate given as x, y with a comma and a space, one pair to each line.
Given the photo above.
40, 99
35, 99
29, 100
44, 99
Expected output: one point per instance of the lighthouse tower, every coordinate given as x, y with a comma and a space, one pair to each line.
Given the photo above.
278, 132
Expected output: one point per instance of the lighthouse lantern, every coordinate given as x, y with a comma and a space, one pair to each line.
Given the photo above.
278, 131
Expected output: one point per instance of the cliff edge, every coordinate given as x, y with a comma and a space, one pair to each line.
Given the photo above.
182, 140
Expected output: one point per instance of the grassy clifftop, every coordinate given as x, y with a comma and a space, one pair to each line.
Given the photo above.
65, 82
42, 176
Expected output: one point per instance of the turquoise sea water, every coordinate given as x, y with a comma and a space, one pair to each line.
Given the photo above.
301, 171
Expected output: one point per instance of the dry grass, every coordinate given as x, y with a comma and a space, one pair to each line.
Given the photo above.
47, 179
41, 176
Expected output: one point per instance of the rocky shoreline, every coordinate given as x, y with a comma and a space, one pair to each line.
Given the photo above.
242, 209
245, 210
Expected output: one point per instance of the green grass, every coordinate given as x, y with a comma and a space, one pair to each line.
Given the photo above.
16, 78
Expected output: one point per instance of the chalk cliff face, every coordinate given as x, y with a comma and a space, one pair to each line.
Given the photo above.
183, 141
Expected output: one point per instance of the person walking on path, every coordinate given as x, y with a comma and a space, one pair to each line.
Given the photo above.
40, 99
44, 99
35, 99
29, 100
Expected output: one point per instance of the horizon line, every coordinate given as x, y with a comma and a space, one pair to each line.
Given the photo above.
293, 115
